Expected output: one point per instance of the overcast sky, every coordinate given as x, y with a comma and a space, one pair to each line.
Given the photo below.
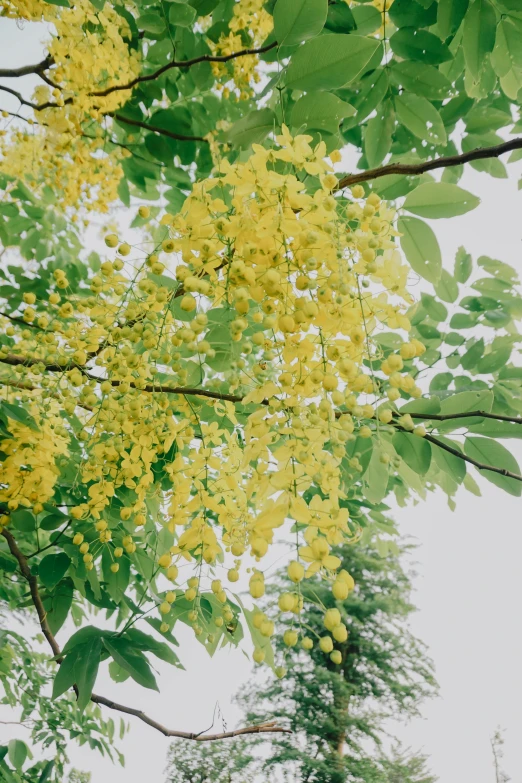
468, 589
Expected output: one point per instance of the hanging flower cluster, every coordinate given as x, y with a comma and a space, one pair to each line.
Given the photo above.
65, 147
239, 76
216, 385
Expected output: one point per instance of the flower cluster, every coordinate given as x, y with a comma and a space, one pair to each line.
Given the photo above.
65, 148
217, 384
239, 76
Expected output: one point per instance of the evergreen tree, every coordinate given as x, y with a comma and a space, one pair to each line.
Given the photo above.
337, 713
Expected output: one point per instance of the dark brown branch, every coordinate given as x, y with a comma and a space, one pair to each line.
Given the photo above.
19, 97
35, 106
410, 169
154, 129
470, 414
259, 729
204, 58
33, 588
25, 70
263, 728
476, 463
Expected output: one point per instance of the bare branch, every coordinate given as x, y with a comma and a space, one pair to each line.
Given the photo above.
259, 729
476, 463
35, 106
263, 728
25, 70
204, 58
468, 415
409, 169
33, 588
154, 129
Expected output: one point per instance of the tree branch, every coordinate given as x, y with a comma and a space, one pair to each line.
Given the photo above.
409, 169
44, 625
478, 465
154, 129
470, 414
25, 70
204, 58
33, 588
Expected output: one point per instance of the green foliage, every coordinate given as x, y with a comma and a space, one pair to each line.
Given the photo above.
337, 714
393, 91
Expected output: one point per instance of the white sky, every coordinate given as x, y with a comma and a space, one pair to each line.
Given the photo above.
468, 589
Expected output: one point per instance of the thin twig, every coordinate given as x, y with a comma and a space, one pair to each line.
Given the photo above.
409, 169
204, 58
154, 129
263, 728
33, 588
476, 463
25, 70
464, 415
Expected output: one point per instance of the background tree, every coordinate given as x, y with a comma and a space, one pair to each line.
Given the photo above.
245, 349
220, 762
338, 713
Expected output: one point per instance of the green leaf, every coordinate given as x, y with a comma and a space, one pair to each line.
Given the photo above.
470, 359
494, 361
463, 320
413, 44
436, 310
259, 641
52, 568
463, 265
8, 563
226, 349
58, 604
421, 248
23, 520
468, 401
79, 667
329, 61
46, 771
452, 465
252, 129
88, 661
132, 661
379, 133
490, 452
181, 15
440, 200
420, 78
414, 450
498, 269
375, 482
340, 18
320, 111
450, 14
19, 414
479, 35
18, 753
147, 643
420, 117
151, 23
367, 19
447, 289
408, 13
298, 20
83, 635
496, 429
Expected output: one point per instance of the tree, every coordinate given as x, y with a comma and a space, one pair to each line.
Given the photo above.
337, 713
221, 763
245, 349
